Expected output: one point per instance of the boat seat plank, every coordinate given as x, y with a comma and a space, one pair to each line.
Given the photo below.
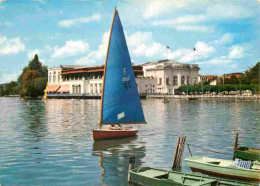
153, 173
206, 183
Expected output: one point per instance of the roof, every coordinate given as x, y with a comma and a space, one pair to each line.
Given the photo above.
136, 68
53, 88
64, 88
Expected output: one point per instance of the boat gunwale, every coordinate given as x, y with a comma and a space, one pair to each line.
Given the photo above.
214, 165
191, 176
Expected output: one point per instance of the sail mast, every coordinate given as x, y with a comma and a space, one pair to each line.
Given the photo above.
104, 74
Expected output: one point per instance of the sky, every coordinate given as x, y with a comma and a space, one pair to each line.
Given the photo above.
224, 33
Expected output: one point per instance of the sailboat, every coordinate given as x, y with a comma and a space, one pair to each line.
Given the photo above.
120, 101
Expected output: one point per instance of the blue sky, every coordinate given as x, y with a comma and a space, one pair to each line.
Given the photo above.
225, 33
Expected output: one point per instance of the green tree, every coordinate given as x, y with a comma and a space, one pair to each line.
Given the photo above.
27, 87
38, 86
9, 87
34, 70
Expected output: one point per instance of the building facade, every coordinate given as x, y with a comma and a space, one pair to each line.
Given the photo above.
170, 75
162, 77
78, 80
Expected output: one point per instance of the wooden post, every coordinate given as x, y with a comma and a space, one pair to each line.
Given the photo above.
175, 154
131, 166
177, 160
235, 146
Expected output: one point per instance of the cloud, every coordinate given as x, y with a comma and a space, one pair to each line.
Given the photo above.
71, 48
225, 39
70, 22
228, 9
185, 23
8, 77
32, 53
11, 46
97, 56
6, 23
236, 52
156, 8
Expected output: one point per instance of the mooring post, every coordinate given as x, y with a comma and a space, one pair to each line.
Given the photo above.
177, 160
235, 146
131, 166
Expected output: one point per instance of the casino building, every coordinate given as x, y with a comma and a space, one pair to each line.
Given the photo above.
163, 77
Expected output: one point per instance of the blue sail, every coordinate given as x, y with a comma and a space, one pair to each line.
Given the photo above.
121, 102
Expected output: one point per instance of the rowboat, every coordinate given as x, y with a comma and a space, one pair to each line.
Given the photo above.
152, 177
120, 101
225, 168
248, 153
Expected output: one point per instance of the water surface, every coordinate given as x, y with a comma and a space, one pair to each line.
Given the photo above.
50, 142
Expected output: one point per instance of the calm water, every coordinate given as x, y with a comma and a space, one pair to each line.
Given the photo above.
51, 142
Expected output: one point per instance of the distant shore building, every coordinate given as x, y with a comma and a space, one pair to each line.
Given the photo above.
170, 75
163, 77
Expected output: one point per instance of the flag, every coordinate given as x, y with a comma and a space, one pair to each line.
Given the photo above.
167, 47
194, 49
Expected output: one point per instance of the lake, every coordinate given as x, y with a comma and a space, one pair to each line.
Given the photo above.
50, 142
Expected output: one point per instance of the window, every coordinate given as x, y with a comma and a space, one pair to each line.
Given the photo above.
182, 80
54, 77
159, 81
167, 81
175, 80
188, 80
50, 77
91, 88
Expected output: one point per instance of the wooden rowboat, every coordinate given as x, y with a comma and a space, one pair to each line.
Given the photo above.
152, 176
100, 134
248, 153
223, 168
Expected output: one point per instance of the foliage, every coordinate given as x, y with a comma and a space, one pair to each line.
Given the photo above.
217, 88
27, 88
38, 86
33, 71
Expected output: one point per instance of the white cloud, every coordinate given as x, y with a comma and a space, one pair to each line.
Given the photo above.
186, 23
156, 8
236, 52
228, 9
97, 56
225, 39
71, 48
31, 53
69, 22
11, 46
7, 78
6, 23
203, 51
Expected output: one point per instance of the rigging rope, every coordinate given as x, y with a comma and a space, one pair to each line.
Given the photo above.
209, 150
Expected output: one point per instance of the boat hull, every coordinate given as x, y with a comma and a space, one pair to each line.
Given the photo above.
155, 177
207, 166
102, 134
248, 153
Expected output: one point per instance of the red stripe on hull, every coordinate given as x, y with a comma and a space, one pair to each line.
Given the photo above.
223, 175
112, 134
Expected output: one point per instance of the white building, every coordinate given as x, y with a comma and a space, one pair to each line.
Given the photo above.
170, 75
163, 77
76, 80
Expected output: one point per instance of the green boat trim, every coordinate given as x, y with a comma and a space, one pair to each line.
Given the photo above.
155, 177
248, 153
223, 168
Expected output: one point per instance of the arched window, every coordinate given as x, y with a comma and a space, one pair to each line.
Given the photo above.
50, 77
175, 80
182, 80
54, 77
91, 88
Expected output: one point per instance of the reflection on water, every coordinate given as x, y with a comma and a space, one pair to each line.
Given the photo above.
51, 142
114, 156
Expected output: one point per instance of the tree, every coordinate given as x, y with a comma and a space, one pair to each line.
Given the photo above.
27, 88
9, 87
34, 70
